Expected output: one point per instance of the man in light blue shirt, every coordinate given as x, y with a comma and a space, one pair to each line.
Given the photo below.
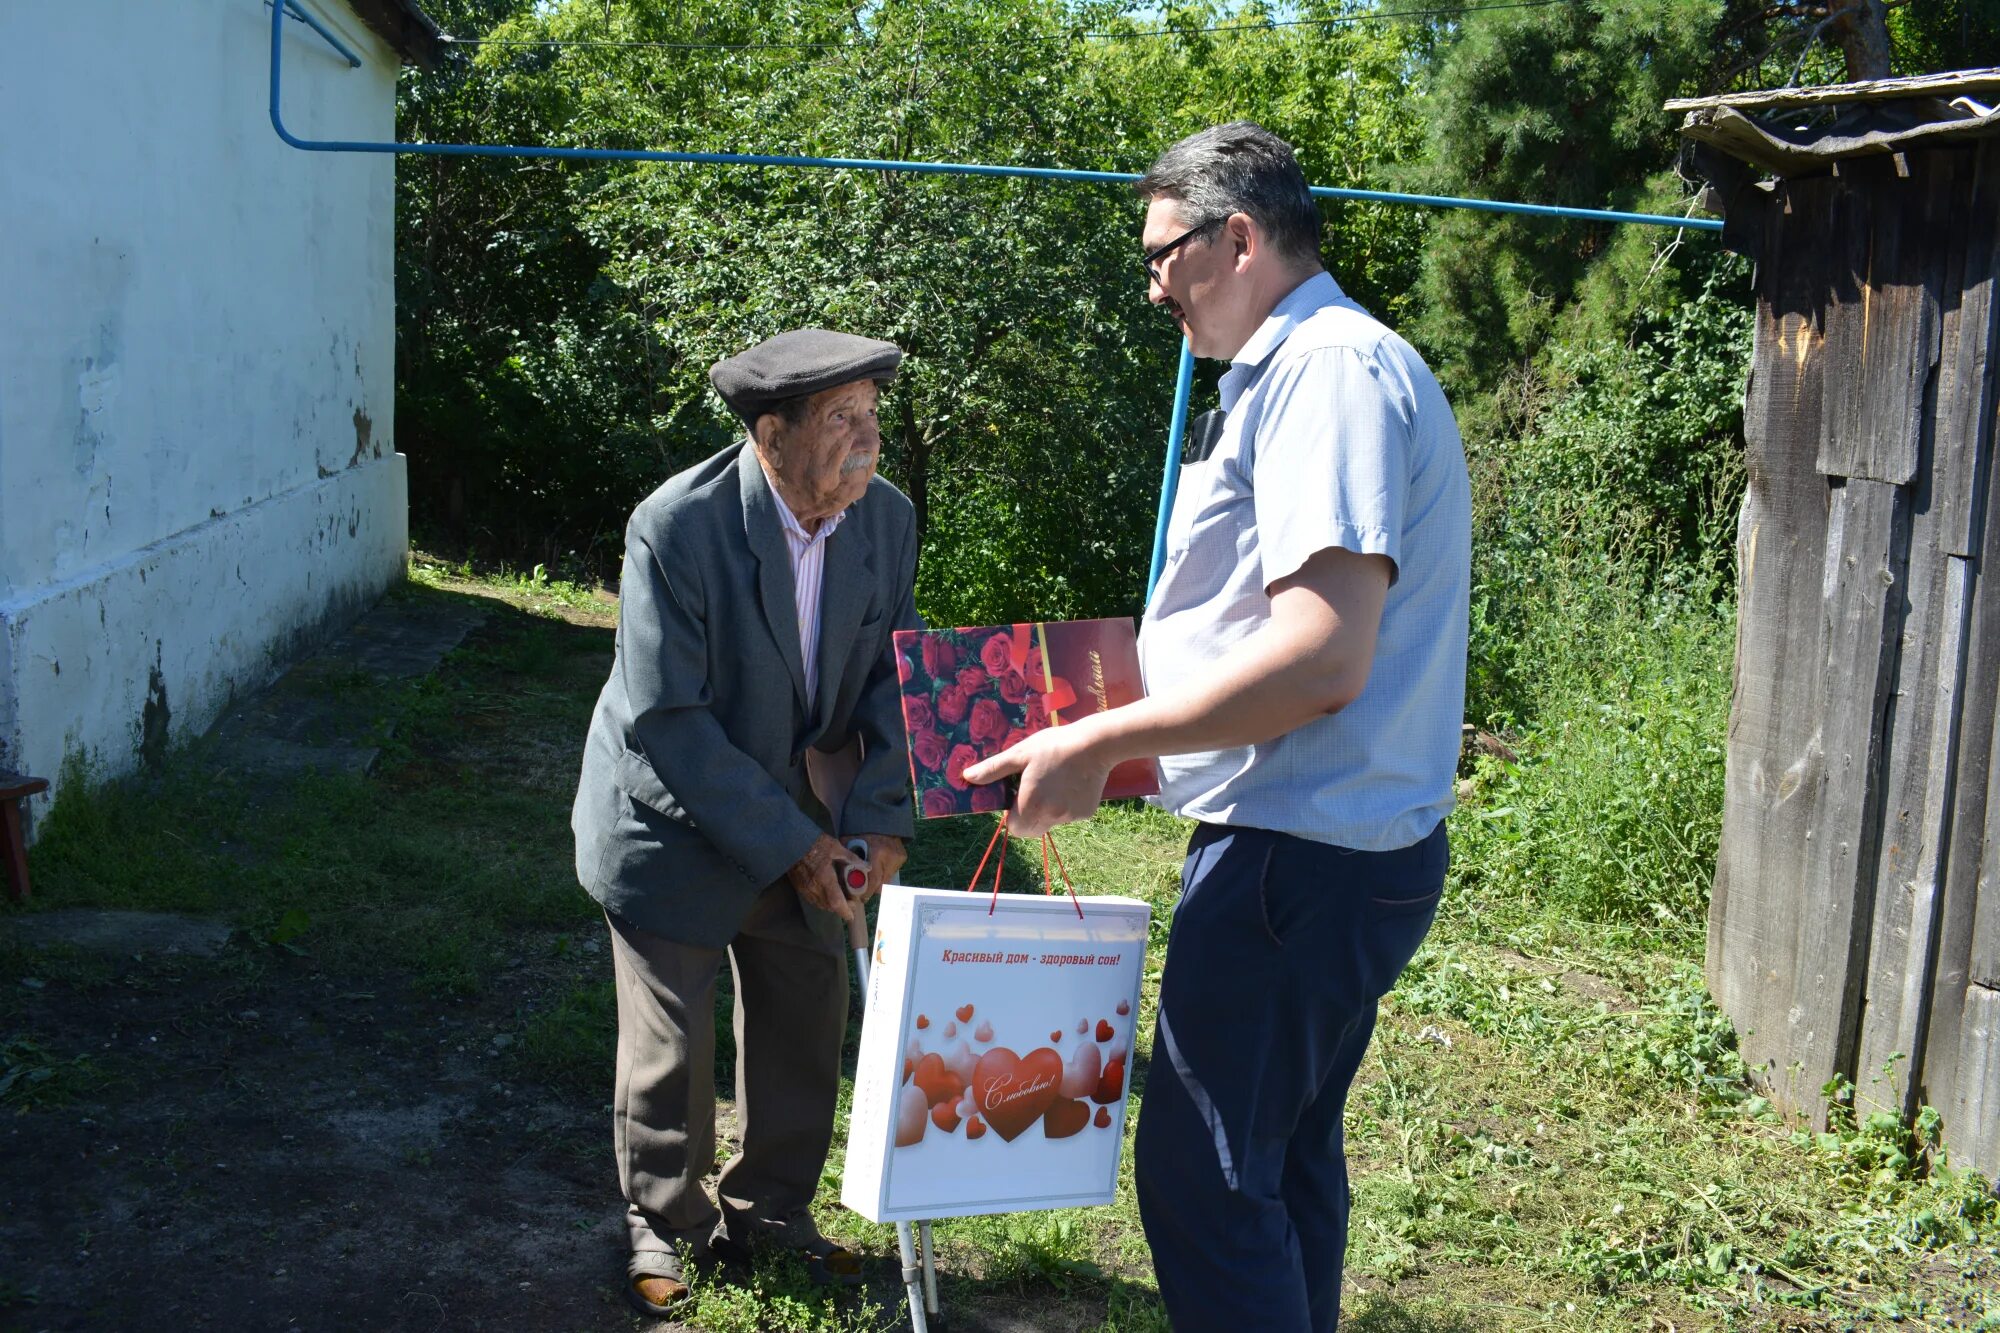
1304, 656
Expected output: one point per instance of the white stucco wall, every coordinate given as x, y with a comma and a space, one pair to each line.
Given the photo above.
197, 330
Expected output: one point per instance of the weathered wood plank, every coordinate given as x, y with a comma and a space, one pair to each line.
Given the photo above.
1958, 83
1959, 1064
1773, 766
1921, 763
1882, 319
1920, 753
1972, 1113
1951, 1076
1966, 360
1958, 1059
1868, 531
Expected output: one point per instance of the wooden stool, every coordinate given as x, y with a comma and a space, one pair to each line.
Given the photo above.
13, 844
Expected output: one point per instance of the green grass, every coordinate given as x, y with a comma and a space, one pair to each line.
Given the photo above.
457, 847
1553, 1130
33, 1077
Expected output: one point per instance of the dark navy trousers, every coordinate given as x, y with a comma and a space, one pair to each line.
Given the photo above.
1280, 949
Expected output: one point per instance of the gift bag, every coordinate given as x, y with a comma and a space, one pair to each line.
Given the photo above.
994, 1051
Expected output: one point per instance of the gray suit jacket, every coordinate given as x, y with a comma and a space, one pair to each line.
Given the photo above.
694, 795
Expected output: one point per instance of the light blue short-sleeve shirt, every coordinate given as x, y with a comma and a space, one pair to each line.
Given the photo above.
1335, 434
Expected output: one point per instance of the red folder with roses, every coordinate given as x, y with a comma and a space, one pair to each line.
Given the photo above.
968, 694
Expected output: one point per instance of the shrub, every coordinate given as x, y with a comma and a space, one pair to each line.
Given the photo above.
1612, 809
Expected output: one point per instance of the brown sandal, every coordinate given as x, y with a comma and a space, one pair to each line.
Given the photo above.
655, 1282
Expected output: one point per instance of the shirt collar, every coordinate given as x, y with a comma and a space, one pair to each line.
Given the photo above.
790, 522
1314, 293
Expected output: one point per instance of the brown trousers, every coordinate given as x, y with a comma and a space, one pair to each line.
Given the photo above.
791, 1015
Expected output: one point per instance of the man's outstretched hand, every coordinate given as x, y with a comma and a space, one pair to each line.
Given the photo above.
816, 877
1062, 778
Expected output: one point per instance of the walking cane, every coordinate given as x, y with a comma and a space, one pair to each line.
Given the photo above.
919, 1280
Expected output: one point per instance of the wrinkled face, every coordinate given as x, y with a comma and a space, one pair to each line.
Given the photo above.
824, 464
1198, 282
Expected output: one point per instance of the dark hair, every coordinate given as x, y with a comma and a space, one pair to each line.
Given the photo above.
1240, 167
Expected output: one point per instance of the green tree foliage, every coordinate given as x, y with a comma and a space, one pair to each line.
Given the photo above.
1342, 86
556, 320
1026, 425
1560, 104
1557, 105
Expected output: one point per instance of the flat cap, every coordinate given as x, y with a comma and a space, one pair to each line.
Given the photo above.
798, 362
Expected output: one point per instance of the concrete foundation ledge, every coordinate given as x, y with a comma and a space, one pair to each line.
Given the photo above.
119, 662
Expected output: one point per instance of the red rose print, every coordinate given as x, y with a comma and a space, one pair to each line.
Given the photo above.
939, 802
917, 712
929, 748
1033, 670
1013, 688
989, 798
1014, 738
973, 681
940, 657
955, 763
995, 654
1037, 715
988, 722
952, 705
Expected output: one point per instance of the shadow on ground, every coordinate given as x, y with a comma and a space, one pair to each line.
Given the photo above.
327, 1046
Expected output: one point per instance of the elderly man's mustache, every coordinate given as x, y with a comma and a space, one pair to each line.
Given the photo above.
856, 461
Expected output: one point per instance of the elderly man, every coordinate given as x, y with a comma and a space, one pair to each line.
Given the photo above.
759, 594
1304, 655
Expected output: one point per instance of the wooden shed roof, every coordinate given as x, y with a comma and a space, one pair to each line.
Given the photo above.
1788, 132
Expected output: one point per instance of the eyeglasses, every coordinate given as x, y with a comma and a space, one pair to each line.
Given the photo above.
1152, 259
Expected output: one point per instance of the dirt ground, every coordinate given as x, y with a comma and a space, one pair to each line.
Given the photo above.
283, 1152
229, 1129
270, 1149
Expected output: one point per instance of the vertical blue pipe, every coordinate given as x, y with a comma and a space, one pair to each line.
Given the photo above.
1183, 389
